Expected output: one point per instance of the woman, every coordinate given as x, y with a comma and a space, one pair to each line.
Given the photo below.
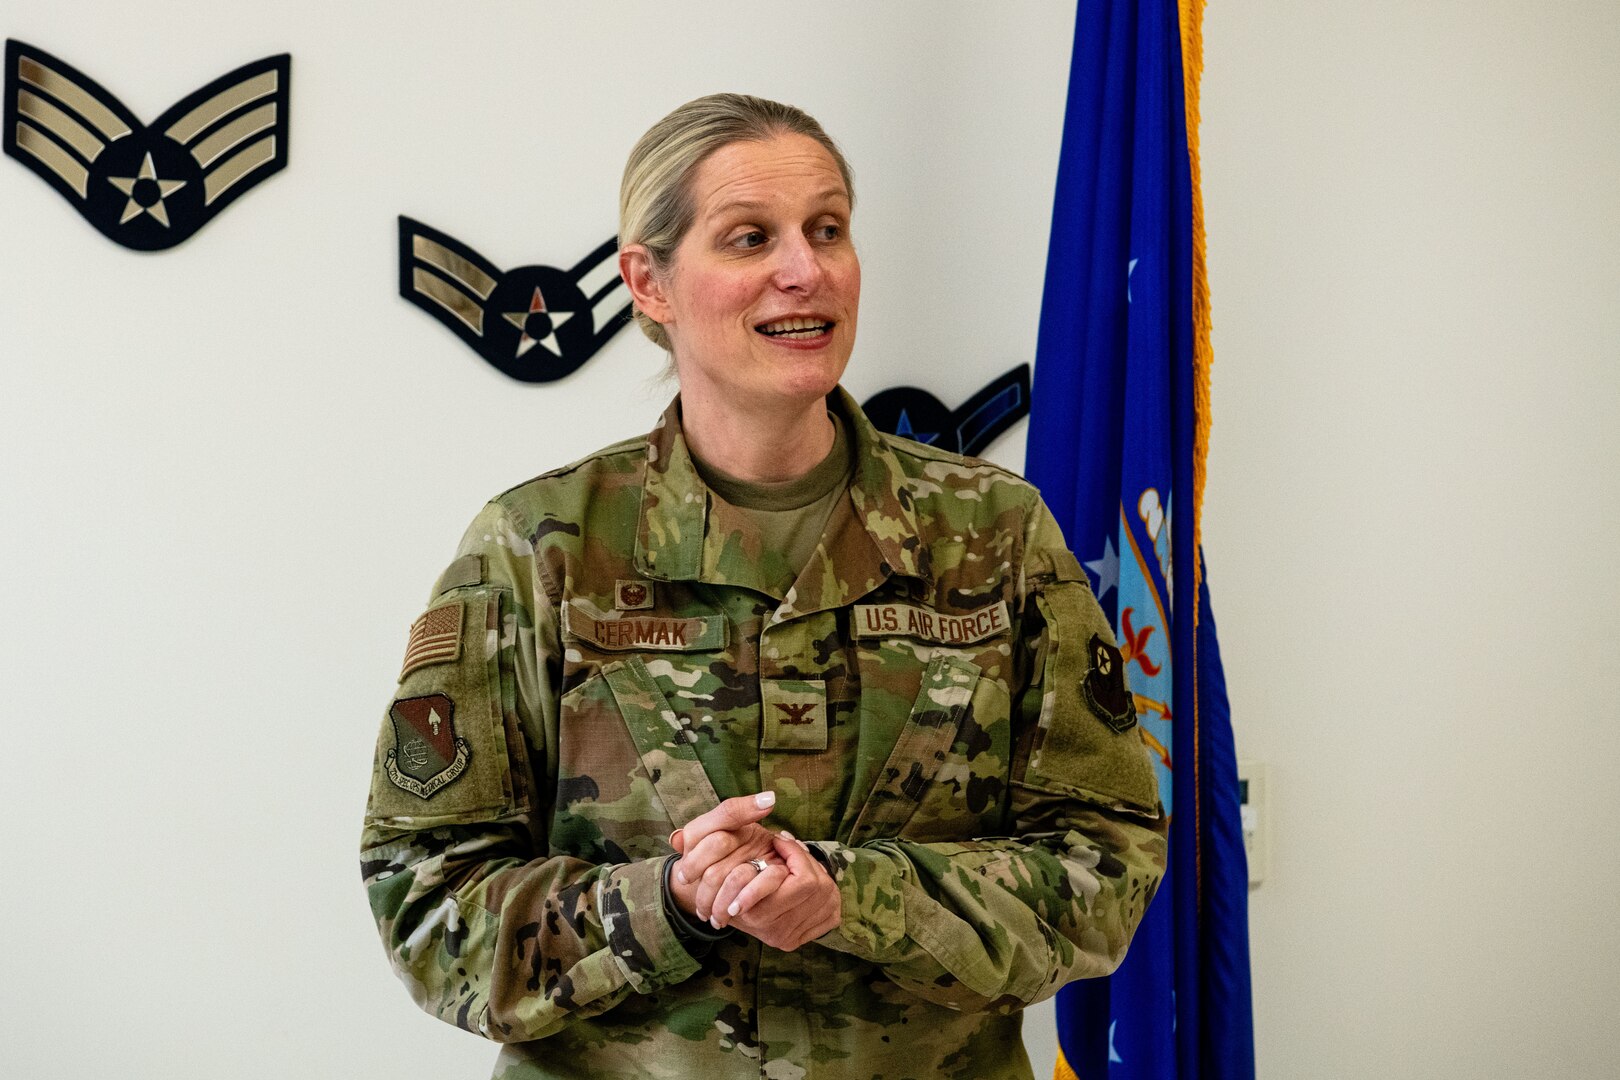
861, 679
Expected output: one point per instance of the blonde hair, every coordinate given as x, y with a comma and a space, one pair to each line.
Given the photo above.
655, 204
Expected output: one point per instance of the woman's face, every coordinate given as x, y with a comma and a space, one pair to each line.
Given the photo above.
760, 299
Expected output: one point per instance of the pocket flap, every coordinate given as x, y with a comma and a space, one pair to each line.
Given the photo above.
662, 740
920, 749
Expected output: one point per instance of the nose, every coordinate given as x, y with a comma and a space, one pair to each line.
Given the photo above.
798, 265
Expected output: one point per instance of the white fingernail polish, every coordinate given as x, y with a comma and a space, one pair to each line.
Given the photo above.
764, 799
734, 908
715, 922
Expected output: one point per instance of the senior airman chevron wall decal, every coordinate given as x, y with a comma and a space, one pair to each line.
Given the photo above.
147, 187
917, 414
534, 323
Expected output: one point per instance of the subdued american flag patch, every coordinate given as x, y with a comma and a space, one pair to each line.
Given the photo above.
435, 638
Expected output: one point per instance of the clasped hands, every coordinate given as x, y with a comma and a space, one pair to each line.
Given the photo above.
790, 901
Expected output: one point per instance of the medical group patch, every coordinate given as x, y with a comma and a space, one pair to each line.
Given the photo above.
147, 187
535, 323
427, 754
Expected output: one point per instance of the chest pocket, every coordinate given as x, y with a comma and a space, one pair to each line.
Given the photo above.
627, 765
946, 774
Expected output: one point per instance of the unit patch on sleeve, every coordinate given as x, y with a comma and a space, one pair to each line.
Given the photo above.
435, 638
145, 186
907, 620
427, 754
1105, 689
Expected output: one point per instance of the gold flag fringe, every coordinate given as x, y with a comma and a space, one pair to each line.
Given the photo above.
1192, 71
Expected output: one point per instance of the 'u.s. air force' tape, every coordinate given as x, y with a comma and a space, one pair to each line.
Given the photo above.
907, 620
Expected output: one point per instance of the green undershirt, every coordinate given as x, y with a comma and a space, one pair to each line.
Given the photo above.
790, 514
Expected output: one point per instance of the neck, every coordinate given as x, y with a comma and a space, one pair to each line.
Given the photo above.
758, 446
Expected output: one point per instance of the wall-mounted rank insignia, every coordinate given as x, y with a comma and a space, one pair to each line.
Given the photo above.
633, 595
534, 323
1104, 686
147, 187
916, 414
427, 754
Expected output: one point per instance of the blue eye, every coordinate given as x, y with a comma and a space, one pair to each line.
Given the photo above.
751, 239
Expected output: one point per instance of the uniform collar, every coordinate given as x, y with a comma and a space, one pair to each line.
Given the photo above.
870, 536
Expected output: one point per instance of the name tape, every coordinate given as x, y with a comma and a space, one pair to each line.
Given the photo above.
647, 633
904, 620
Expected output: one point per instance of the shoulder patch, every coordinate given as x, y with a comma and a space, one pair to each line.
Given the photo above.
1104, 686
427, 754
435, 638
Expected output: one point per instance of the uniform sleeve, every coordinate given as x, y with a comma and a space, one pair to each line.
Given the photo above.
999, 923
485, 930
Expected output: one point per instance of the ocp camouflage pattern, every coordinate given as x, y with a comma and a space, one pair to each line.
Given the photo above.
991, 836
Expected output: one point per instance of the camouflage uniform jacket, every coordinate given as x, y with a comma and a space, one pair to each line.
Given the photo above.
937, 702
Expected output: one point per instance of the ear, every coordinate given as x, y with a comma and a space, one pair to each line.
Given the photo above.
636, 267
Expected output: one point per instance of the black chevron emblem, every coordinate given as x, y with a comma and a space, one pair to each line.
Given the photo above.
917, 414
535, 323
147, 187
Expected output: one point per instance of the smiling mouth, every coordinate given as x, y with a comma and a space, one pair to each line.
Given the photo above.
796, 329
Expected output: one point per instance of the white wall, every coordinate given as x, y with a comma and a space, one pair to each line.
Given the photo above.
233, 470
1412, 510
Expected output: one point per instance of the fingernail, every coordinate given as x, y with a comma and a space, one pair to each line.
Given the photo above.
680, 875
787, 834
715, 922
764, 799
672, 837
734, 908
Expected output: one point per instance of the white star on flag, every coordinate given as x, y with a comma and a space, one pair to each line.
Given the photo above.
1106, 568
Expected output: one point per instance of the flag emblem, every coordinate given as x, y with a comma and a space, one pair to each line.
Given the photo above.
427, 754
435, 638
147, 187
535, 323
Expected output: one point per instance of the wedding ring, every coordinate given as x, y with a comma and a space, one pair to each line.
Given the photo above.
758, 864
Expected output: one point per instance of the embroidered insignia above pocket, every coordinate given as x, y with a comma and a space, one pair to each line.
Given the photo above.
1105, 689
427, 754
633, 595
